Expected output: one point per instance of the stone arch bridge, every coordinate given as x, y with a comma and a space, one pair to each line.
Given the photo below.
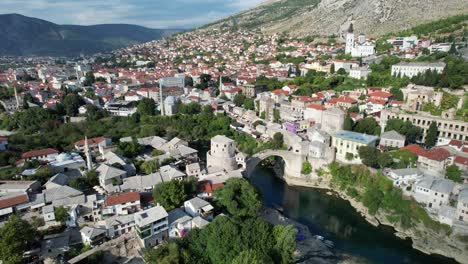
292, 161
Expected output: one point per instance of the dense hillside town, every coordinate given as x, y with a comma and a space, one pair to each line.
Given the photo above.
111, 157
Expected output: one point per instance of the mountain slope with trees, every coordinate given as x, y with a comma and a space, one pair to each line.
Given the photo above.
25, 36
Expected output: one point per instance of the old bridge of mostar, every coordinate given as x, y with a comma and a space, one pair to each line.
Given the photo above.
292, 161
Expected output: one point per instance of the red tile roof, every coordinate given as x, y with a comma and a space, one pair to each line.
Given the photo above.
280, 91
122, 198
345, 99
377, 101
415, 149
317, 107
91, 141
208, 187
38, 153
438, 154
380, 94
457, 143
461, 160
12, 201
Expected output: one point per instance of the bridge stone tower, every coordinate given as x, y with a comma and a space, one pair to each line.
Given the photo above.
222, 153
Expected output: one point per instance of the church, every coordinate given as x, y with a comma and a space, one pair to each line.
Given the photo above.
361, 48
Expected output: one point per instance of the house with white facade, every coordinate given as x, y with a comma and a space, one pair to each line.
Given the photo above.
123, 203
411, 69
151, 226
347, 144
405, 177
392, 139
199, 207
433, 192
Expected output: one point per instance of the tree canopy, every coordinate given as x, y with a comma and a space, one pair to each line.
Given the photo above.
173, 193
16, 237
239, 197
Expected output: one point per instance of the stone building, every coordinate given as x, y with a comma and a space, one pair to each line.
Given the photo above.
448, 126
433, 192
416, 95
392, 139
222, 153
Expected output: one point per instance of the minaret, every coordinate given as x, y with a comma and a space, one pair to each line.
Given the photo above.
220, 83
89, 163
17, 99
349, 39
161, 101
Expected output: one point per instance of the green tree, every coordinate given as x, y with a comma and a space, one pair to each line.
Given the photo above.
43, 174
348, 123
249, 104
89, 79
146, 106
453, 173
150, 166
431, 136
61, 214
167, 253
341, 71
207, 110
285, 237
369, 156
248, 257
276, 116
129, 149
372, 199
16, 237
239, 99
368, 126
453, 48
397, 93
306, 168
173, 193
384, 160
192, 108
277, 141
72, 103
239, 197
332, 68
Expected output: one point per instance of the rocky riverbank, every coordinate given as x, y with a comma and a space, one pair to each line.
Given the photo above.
309, 250
423, 239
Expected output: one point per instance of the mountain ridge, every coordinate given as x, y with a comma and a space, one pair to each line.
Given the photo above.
28, 36
326, 17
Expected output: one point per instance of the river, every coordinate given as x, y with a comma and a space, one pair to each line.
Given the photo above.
336, 220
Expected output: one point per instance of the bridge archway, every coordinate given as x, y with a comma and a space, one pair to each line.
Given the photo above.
292, 162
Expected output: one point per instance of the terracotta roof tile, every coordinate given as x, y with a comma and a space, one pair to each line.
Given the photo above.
122, 198
39, 152
415, 149
438, 154
12, 201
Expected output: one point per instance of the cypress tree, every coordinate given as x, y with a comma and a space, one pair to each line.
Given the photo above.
431, 136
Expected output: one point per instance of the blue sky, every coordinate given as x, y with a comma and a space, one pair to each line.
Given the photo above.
150, 13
